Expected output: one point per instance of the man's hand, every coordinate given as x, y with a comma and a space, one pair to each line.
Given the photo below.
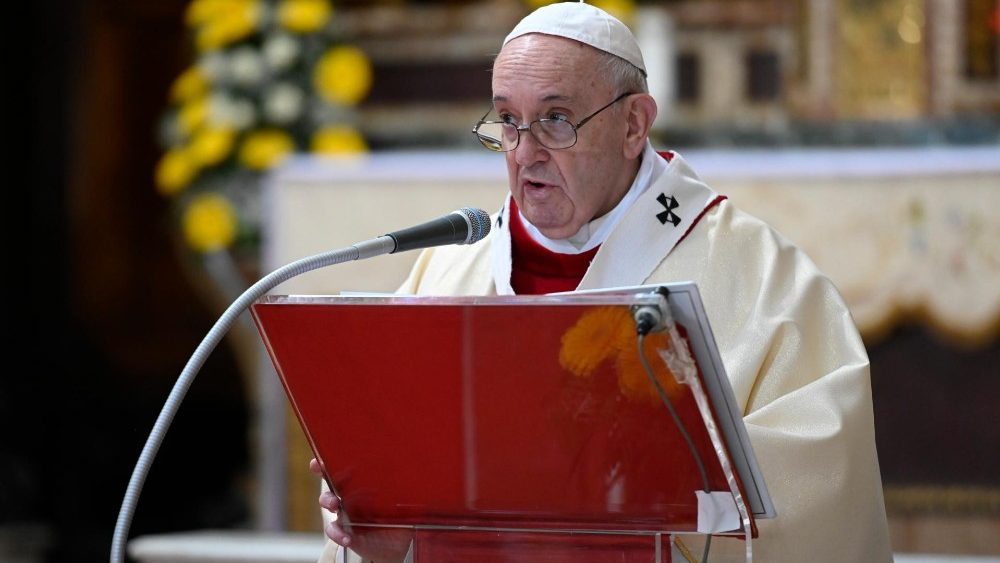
387, 545
331, 502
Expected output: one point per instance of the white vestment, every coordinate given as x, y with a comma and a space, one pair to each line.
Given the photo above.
797, 365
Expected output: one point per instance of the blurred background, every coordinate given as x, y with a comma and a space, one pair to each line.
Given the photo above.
163, 139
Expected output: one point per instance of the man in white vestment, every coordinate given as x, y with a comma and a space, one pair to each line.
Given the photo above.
593, 205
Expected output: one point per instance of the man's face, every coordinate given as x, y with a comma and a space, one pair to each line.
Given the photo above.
558, 191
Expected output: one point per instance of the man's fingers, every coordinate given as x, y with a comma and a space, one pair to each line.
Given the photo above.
329, 501
337, 534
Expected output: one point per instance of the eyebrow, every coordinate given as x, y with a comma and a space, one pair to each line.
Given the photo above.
549, 98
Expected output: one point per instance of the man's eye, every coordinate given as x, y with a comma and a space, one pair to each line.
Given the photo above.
557, 117
508, 118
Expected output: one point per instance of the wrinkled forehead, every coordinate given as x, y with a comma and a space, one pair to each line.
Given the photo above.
547, 62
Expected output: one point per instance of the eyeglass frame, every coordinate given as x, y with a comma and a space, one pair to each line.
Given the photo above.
527, 127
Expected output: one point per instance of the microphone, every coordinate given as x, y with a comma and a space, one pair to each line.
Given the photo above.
464, 226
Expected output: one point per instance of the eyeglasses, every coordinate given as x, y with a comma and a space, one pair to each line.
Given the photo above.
553, 133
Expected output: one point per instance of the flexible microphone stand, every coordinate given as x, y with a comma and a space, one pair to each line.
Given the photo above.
464, 226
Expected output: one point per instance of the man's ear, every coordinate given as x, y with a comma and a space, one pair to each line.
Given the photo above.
641, 110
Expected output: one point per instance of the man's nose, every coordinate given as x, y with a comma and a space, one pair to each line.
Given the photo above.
528, 150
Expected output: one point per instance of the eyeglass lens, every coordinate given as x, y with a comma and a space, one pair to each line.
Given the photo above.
550, 133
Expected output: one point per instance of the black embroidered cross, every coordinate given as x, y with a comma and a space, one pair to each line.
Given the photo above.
669, 203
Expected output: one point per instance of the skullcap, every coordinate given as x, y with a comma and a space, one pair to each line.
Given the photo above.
584, 23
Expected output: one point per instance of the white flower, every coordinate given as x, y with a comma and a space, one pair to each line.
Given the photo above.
280, 51
170, 132
214, 66
246, 66
283, 102
237, 113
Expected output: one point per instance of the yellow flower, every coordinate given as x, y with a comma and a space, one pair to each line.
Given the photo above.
265, 148
192, 83
304, 16
209, 223
607, 334
338, 140
210, 145
203, 12
175, 171
192, 115
199, 12
600, 334
343, 75
234, 20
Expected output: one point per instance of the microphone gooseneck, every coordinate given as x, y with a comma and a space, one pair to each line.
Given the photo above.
464, 226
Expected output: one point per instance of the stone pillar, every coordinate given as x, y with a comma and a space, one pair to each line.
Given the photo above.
655, 31
822, 25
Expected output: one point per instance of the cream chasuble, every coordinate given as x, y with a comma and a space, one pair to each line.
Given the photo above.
789, 345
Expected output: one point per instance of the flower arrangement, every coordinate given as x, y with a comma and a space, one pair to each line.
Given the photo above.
270, 78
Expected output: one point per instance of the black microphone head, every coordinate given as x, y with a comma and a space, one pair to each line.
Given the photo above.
478, 221
465, 226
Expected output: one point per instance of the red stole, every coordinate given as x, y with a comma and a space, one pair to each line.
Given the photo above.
535, 269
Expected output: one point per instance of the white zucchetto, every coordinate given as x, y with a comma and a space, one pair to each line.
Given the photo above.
584, 23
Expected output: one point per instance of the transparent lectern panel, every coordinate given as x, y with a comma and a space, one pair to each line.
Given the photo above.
530, 415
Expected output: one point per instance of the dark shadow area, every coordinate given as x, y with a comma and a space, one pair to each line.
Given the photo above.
931, 400
104, 319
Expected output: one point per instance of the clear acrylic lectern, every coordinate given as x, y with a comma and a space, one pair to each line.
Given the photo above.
520, 428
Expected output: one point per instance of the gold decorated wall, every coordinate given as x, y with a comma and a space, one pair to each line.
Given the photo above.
880, 60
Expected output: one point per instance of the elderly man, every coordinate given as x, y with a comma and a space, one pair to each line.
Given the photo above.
592, 205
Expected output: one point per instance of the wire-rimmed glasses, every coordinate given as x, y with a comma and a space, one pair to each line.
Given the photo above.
552, 133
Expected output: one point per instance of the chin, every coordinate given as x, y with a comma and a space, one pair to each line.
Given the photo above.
556, 233
552, 227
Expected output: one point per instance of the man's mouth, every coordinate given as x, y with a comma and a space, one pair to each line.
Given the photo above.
536, 188
528, 183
